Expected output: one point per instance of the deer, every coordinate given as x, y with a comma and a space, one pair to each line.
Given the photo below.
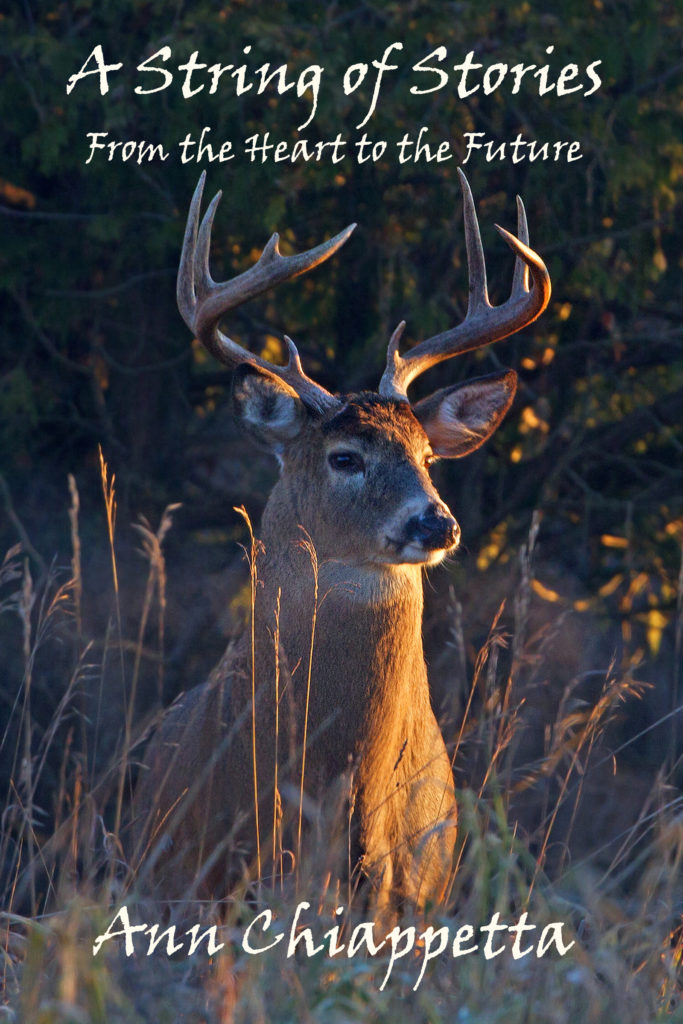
333, 658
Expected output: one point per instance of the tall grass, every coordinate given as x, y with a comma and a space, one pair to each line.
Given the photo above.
64, 875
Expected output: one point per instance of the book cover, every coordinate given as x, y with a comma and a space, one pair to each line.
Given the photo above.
531, 487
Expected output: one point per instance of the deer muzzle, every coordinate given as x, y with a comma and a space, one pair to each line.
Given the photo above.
435, 529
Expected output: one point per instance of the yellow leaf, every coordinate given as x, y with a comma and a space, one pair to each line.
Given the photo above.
545, 592
614, 542
17, 196
656, 623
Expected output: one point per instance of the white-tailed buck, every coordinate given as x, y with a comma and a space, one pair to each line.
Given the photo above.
329, 682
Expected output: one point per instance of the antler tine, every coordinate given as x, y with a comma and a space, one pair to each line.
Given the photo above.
202, 301
204, 283
476, 263
520, 278
185, 287
484, 323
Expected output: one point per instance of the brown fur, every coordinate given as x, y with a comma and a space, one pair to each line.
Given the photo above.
369, 700
354, 484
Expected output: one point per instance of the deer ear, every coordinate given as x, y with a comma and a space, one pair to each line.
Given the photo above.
457, 420
267, 406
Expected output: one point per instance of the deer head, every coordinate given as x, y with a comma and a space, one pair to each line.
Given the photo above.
355, 468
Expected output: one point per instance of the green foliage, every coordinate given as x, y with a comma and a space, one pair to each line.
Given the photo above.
92, 349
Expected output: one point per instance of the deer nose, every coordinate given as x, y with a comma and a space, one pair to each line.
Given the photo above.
435, 528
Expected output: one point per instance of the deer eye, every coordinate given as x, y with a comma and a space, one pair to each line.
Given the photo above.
429, 460
346, 462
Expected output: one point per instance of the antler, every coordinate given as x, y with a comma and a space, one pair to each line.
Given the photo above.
483, 323
202, 301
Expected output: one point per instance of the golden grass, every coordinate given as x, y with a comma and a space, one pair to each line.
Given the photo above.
63, 884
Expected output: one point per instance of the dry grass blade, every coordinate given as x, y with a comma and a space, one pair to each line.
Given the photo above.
308, 546
253, 579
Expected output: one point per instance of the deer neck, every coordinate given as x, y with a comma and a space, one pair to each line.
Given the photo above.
367, 678
356, 606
